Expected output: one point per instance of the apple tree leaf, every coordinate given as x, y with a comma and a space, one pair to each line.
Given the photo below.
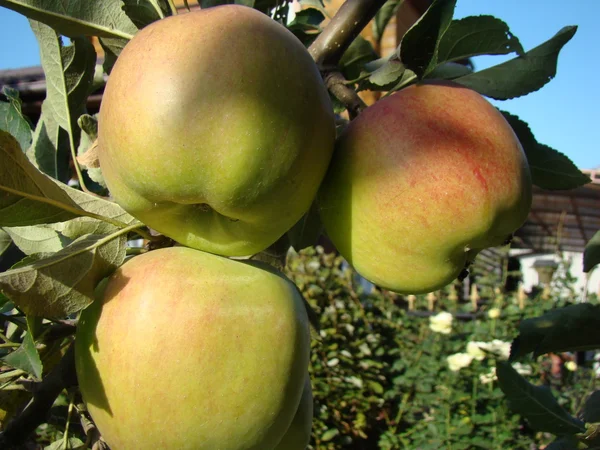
383, 17
591, 254
563, 443
477, 35
37, 239
69, 74
72, 18
26, 358
12, 119
354, 59
550, 169
419, 46
523, 74
449, 71
5, 241
145, 12
591, 409
63, 283
535, 403
87, 153
72, 443
28, 196
553, 331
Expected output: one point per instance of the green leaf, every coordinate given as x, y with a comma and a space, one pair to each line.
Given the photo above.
564, 443
591, 254
5, 241
87, 142
419, 46
112, 49
145, 12
71, 18
28, 196
535, 403
64, 283
521, 75
354, 59
37, 239
69, 72
307, 230
550, 169
449, 71
376, 387
553, 331
383, 17
26, 358
591, 409
12, 119
329, 434
71, 443
477, 35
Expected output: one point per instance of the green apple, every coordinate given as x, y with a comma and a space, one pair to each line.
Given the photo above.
420, 183
298, 434
216, 129
189, 350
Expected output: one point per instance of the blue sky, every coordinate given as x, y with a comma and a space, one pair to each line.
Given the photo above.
564, 114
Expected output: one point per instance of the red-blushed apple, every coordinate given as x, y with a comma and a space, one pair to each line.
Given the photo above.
216, 129
420, 183
188, 350
298, 434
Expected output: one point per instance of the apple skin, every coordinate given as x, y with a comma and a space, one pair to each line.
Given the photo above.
216, 129
189, 350
420, 183
298, 434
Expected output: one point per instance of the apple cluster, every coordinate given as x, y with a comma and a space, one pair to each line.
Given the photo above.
216, 130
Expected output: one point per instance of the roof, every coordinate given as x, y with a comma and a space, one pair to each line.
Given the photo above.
559, 220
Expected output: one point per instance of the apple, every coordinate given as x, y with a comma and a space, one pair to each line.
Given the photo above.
189, 350
298, 434
216, 129
420, 183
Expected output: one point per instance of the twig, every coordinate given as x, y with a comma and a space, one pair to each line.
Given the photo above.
46, 392
337, 36
336, 83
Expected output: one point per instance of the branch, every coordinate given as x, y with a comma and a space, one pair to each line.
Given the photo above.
44, 395
337, 36
336, 83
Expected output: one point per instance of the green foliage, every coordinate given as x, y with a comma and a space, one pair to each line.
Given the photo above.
382, 378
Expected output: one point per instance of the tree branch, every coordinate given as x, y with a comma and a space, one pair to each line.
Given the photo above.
337, 36
44, 395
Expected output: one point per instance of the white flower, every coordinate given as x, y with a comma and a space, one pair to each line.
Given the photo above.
459, 361
474, 349
333, 362
571, 366
494, 313
501, 348
441, 323
523, 369
488, 377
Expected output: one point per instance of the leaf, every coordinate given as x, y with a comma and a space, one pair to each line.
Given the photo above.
329, 434
383, 17
419, 46
477, 35
449, 71
354, 59
376, 387
388, 74
69, 74
28, 196
38, 238
307, 230
591, 254
12, 119
112, 49
71, 443
535, 403
5, 241
550, 169
521, 75
143, 12
87, 153
26, 358
553, 331
64, 283
591, 409
563, 443
71, 18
